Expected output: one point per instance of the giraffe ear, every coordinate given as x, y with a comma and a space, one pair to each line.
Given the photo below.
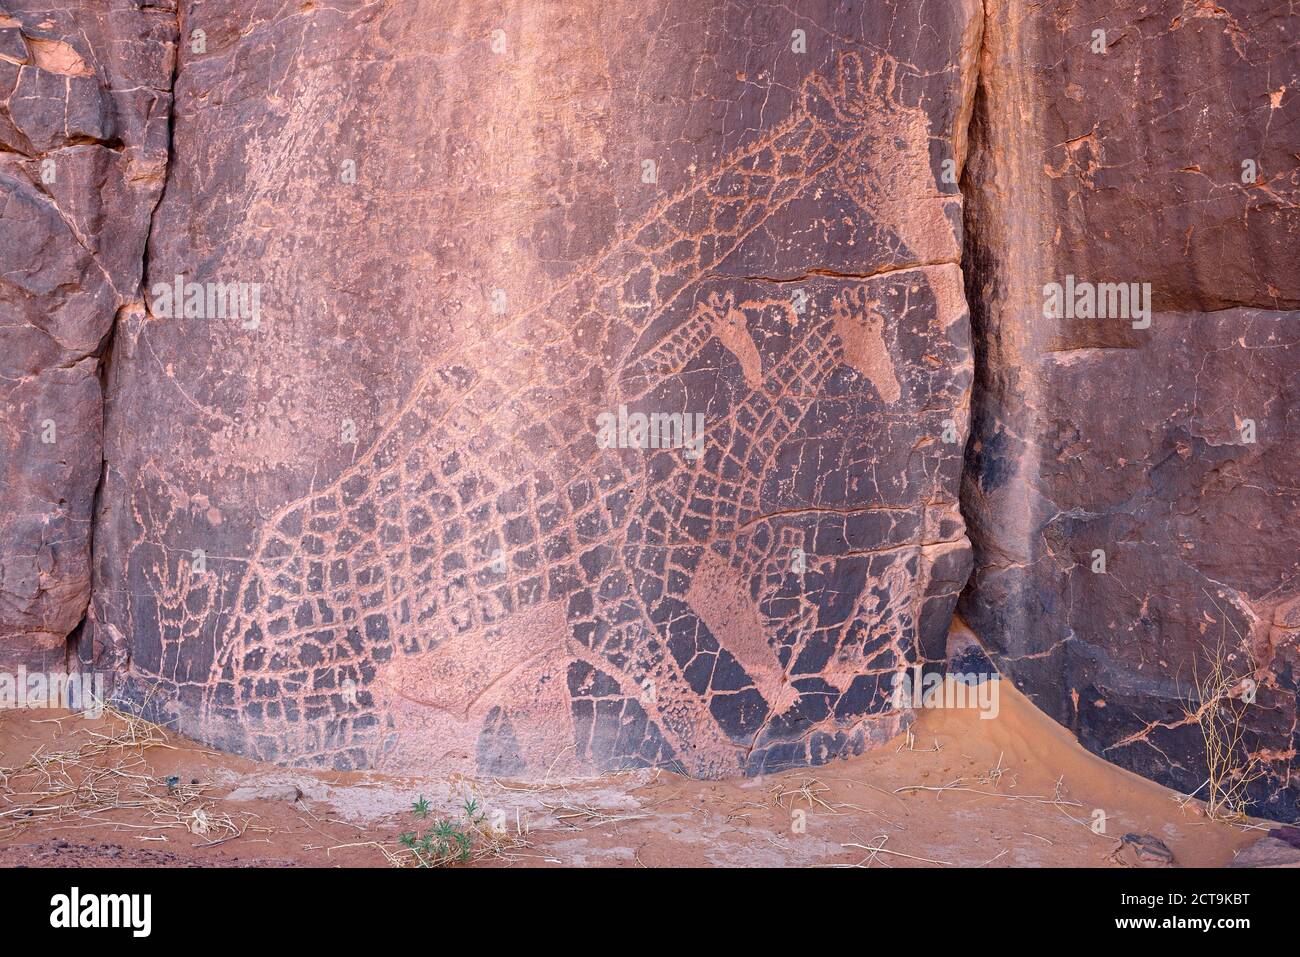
853, 82
817, 99
883, 80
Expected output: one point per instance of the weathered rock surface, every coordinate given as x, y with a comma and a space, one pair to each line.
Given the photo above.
367, 495
1280, 847
1168, 452
84, 101
372, 521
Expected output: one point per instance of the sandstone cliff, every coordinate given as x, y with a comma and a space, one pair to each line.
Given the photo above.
1130, 480
517, 387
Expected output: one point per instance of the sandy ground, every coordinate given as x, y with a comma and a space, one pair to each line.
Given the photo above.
1016, 790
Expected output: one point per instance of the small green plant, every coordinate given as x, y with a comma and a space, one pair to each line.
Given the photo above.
446, 841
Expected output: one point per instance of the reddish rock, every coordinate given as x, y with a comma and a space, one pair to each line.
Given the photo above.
1279, 848
1142, 850
1167, 451
84, 102
375, 523
371, 490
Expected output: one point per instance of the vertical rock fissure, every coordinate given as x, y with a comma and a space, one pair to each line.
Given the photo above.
1130, 528
974, 271
167, 170
81, 638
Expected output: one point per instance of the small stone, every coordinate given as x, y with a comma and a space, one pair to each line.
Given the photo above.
1269, 851
1142, 850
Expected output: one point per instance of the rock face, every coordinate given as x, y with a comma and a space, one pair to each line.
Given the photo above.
558, 387
1131, 480
551, 387
84, 102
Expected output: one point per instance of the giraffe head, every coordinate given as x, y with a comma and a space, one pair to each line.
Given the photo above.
885, 165
855, 95
720, 311
725, 320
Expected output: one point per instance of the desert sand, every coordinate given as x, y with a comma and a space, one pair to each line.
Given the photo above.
956, 790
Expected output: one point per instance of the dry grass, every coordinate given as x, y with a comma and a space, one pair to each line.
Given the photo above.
1057, 800
581, 816
909, 743
470, 838
470, 835
107, 780
1216, 707
876, 846
486, 845
569, 811
810, 791
992, 778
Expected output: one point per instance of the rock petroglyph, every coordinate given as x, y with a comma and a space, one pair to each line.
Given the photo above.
547, 388
477, 579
